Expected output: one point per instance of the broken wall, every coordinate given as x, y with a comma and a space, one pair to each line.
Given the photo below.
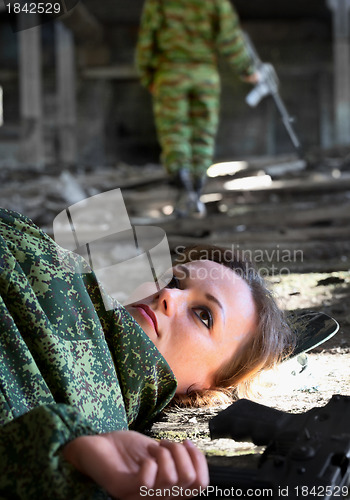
115, 121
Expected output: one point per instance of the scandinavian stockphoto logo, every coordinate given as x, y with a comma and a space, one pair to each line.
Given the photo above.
25, 14
123, 257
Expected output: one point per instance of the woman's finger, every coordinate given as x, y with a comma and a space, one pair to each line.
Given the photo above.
200, 465
185, 468
167, 474
148, 474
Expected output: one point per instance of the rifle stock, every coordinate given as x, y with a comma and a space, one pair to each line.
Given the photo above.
306, 455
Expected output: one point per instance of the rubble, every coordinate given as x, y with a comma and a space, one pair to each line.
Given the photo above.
304, 212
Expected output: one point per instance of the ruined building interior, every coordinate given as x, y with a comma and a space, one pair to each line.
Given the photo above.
75, 122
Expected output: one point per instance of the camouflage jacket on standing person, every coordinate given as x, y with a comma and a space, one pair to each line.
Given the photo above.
189, 31
68, 367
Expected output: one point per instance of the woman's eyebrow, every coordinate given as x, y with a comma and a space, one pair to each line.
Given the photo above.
184, 270
211, 297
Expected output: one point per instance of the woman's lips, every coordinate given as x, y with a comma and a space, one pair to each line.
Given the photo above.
150, 315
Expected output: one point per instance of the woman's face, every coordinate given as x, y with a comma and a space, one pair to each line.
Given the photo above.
199, 321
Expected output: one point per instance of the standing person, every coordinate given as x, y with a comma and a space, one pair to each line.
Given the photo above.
176, 57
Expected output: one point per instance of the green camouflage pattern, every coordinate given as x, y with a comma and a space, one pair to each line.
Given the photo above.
176, 56
186, 128
189, 31
68, 367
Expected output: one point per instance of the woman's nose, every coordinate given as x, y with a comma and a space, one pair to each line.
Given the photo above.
169, 300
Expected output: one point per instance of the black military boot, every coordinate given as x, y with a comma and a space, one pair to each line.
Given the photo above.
186, 199
198, 185
182, 179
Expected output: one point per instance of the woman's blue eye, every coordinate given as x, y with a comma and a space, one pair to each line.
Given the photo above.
204, 315
173, 283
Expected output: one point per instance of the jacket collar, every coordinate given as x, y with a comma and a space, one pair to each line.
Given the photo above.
146, 380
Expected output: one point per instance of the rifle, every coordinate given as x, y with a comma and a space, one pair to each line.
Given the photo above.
307, 455
268, 85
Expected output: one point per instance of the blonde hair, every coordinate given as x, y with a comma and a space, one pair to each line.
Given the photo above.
271, 342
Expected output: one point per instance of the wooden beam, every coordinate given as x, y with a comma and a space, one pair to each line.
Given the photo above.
341, 48
303, 257
168, 194
316, 184
66, 94
31, 145
117, 72
1, 108
325, 106
258, 228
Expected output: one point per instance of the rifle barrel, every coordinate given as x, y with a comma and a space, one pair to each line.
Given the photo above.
286, 121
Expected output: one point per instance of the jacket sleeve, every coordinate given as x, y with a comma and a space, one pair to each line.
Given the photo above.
230, 41
32, 465
146, 48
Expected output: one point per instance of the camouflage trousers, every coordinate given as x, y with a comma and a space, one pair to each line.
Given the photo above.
186, 108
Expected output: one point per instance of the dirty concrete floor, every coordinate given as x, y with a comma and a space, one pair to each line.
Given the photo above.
305, 210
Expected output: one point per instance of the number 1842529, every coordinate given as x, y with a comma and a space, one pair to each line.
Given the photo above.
34, 8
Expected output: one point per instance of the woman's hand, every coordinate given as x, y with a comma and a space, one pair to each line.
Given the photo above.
124, 461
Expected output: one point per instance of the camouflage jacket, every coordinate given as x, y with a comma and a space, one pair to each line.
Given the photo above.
189, 31
68, 367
